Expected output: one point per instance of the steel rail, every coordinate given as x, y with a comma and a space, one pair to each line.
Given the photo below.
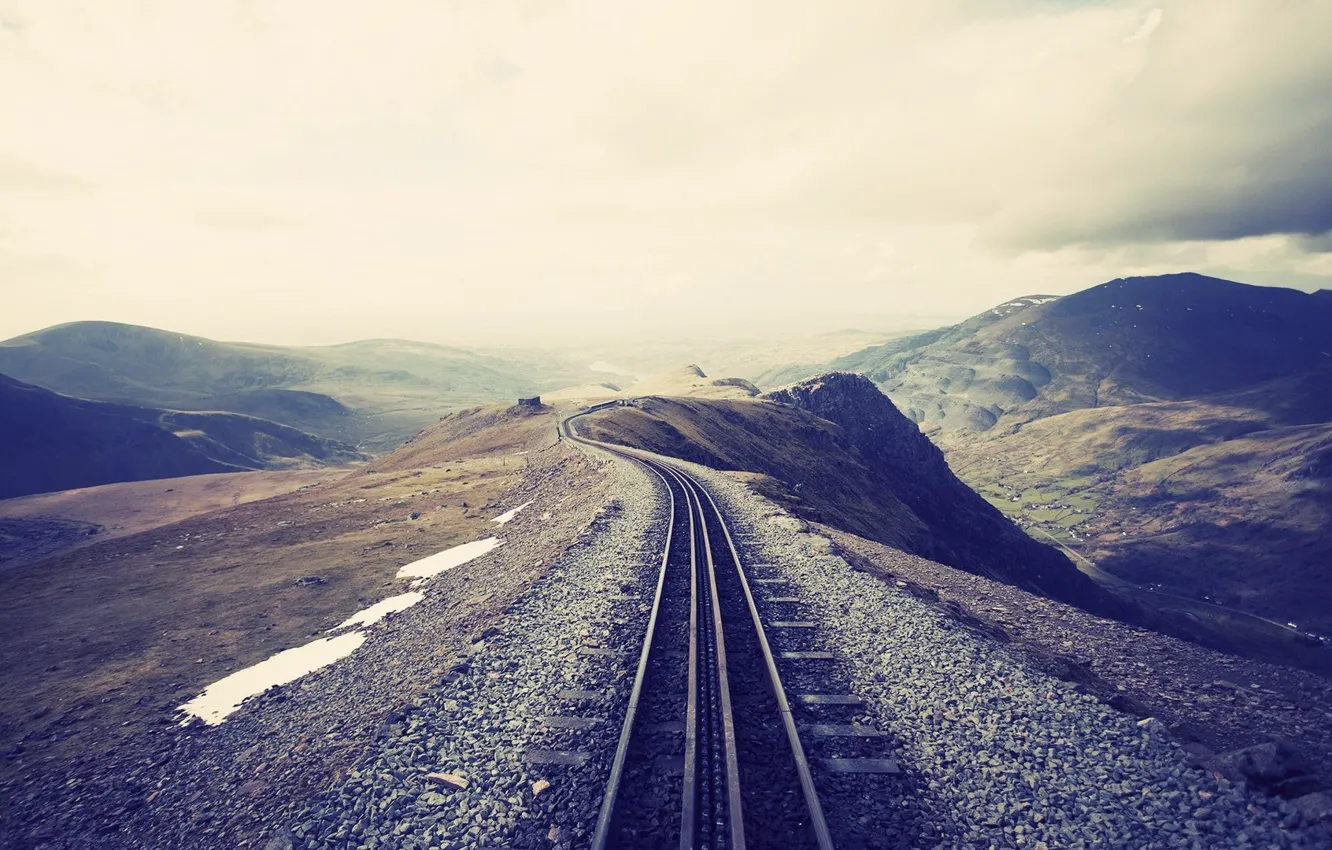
605, 818
692, 488
818, 823
689, 821
735, 812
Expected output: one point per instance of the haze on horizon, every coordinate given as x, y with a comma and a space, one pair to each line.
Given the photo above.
515, 172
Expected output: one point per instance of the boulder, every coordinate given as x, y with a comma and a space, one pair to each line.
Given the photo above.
1266, 765
1315, 807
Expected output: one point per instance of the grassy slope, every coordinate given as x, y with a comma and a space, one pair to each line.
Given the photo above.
1202, 499
827, 472
822, 479
158, 614
108, 511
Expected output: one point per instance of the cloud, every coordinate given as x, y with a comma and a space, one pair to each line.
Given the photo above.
1220, 135
1149, 25
509, 165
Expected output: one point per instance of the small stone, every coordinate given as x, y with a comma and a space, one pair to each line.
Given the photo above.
280, 841
448, 779
1152, 726
539, 786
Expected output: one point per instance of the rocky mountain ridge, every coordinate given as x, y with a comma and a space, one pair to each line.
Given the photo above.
836, 450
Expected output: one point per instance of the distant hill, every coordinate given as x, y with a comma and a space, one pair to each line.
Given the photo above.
374, 393
685, 381
691, 381
52, 442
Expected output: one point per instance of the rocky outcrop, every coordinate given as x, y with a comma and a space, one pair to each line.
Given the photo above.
1278, 767
962, 529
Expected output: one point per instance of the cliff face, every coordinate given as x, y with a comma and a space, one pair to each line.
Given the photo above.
959, 528
836, 450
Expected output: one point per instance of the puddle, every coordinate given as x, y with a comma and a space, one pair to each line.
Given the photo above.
448, 559
383, 608
224, 696
508, 515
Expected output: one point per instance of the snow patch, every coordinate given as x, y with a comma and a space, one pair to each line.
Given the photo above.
508, 515
224, 696
382, 609
448, 559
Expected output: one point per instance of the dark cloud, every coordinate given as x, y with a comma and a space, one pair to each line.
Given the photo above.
1223, 135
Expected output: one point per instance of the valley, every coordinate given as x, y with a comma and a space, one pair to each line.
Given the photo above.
1169, 432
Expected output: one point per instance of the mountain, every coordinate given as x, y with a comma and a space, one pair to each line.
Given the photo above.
1172, 431
53, 442
372, 392
1127, 341
837, 451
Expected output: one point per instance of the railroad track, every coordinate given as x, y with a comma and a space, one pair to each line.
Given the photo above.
709, 755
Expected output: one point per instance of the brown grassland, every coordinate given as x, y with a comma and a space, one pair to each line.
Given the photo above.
92, 637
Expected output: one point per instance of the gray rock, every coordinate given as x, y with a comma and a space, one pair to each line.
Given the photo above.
281, 840
1265, 765
1315, 807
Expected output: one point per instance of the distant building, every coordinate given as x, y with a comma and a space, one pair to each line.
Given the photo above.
534, 401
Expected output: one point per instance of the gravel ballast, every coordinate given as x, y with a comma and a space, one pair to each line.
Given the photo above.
446, 730
467, 764
241, 784
1004, 755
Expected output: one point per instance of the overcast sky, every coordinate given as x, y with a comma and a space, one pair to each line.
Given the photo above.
488, 170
